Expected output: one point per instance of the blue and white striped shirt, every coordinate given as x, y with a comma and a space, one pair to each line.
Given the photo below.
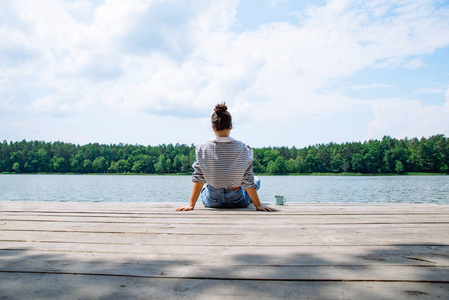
224, 162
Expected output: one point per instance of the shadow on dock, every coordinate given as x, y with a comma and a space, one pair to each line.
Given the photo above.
392, 272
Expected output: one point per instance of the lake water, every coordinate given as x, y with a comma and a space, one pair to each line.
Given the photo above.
152, 188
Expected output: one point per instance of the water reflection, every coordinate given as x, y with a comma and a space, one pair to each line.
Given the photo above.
369, 189
336, 189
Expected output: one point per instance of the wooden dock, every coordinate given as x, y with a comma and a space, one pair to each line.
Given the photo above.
149, 251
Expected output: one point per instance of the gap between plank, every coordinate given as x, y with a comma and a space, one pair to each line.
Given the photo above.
223, 278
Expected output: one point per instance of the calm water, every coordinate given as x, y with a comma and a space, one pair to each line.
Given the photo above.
341, 189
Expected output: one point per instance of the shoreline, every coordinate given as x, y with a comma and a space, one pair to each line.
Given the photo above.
257, 174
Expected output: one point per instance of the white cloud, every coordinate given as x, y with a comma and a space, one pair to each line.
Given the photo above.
179, 58
274, 3
368, 86
429, 91
51, 104
414, 64
407, 118
80, 10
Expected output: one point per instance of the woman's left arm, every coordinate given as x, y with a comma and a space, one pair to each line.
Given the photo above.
252, 193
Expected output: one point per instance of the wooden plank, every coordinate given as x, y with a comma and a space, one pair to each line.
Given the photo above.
238, 235
29, 286
120, 207
308, 238
276, 255
207, 212
188, 228
183, 267
371, 253
234, 219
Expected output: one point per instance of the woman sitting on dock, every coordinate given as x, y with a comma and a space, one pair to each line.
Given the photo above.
223, 171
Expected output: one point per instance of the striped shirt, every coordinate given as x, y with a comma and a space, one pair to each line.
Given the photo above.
224, 163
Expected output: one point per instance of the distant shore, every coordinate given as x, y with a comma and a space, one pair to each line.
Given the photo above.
387, 156
258, 174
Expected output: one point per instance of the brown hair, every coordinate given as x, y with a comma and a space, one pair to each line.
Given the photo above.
221, 118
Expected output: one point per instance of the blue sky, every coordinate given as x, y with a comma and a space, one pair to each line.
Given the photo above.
293, 73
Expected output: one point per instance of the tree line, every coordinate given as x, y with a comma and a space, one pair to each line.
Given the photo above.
389, 155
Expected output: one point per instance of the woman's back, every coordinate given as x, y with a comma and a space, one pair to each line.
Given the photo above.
224, 163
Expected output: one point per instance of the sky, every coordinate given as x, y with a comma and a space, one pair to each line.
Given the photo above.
292, 73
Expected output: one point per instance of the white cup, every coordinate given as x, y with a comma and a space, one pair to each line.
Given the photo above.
280, 200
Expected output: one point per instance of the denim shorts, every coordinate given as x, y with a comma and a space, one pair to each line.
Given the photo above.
226, 198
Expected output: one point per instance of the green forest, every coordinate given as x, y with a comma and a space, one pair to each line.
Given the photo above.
387, 156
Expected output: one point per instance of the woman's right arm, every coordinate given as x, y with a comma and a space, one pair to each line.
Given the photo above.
196, 190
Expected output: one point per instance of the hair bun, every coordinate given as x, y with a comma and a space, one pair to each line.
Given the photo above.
220, 108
